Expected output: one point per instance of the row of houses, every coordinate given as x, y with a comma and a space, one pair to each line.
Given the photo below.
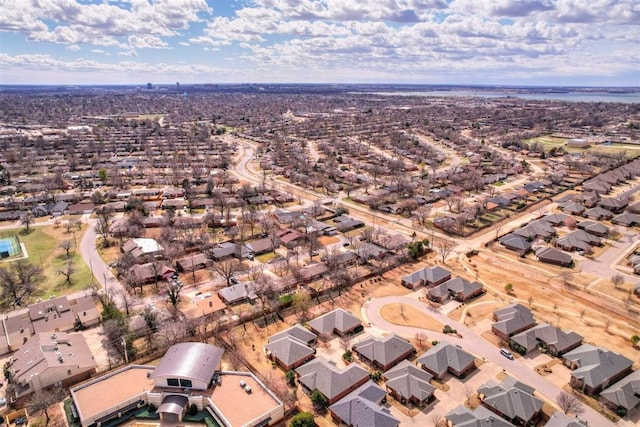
441, 286
594, 370
59, 314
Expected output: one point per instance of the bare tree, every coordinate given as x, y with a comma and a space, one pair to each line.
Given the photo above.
444, 248
27, 219
67, 246
227, 269
421, 339
42, 400
103, 226
617, 280
173, 293
569, 403
19, 281
436, 419
66, 271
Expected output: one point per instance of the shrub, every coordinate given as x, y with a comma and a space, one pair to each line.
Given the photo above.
348, 356
303, 419
193, 409
448, 330
291, 377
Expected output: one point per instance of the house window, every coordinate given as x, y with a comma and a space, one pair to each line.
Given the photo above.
173, 382
186, 383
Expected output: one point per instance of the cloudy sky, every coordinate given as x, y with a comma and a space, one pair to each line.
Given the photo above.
532, 42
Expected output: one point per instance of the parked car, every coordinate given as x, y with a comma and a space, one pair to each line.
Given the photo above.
506, 353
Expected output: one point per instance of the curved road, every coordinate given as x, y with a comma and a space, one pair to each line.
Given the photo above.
101, 272
474, 344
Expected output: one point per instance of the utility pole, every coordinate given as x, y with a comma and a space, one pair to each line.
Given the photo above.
126, 354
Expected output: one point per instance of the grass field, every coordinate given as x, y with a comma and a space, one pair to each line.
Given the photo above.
548, 142
43, 247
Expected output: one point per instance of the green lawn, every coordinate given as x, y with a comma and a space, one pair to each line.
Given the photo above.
43, 247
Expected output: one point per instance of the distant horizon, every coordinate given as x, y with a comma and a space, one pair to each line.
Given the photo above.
434, 85
514, 42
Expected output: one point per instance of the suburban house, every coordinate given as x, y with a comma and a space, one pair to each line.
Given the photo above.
338, 321
334, 383
407, 383
598, 213
383, 353
556, 219
368, 251
536, 229
48, 359
188, 374
594, 228
428, 276
462, 416
516, 243
363, 407
289, 352
578, 240
446, 357
560, 419
512, 400
511, 320
457, 288
345, 223
553, 339
142, 246
624, 395
143, 274
297, 331
261, 246
553, 256
626, 219
238, 293
614, 204
595, 368
572, 208
193, 262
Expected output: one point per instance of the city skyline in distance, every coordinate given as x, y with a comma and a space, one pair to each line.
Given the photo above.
468, 42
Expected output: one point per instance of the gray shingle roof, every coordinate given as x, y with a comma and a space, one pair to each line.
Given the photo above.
319, 374
625, 393
288, 349
513, 318
361, 408
596, 365
338, 319
462, 416
444, 355
549, 335
297, 331
510, 399
559, 419
383, 350
428, 275
409, 381
191, 360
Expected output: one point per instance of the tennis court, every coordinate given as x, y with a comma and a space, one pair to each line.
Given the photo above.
9, 247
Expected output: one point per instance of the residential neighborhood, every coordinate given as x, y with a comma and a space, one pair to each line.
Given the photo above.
326, 256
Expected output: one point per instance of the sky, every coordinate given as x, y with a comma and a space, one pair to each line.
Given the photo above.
479, 42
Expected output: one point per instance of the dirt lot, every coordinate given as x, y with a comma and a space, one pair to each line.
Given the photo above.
551, 302
404, 314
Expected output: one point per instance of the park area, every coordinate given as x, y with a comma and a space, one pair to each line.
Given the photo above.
52, 251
